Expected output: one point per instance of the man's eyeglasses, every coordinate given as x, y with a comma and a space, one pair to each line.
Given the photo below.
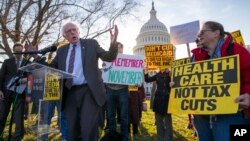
71, 30
203, 31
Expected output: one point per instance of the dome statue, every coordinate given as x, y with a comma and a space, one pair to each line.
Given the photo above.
152, 32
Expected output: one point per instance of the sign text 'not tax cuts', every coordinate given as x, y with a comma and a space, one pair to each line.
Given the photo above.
206, 87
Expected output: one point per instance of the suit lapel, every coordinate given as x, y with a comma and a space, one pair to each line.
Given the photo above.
84, 50
64, 56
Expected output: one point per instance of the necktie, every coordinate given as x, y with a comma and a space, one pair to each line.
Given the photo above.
69, 82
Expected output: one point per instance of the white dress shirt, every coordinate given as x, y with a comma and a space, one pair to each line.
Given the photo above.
78, 68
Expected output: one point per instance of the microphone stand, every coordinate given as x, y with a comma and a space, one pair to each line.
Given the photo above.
15, 83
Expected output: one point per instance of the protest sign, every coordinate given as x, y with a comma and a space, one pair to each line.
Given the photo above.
238, 38
159, 56
206, 87
184, 33
132, 88
179, 62
125, 70
52, 87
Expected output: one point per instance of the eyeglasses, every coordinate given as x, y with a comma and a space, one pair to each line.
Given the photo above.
71, 30
203, 31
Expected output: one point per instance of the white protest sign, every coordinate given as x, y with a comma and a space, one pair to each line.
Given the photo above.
125, 70
184, 33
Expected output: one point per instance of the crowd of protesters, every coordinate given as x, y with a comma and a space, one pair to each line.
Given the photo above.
87, 101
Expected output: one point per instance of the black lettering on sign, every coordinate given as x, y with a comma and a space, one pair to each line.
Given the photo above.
198, 104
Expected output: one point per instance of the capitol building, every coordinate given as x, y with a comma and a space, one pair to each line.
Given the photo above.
153, 32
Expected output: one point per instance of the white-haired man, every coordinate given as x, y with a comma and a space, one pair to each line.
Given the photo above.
84, 95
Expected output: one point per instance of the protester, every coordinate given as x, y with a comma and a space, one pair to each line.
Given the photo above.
244, 101
152, 97
118, 98
190, 117
83, 95
9, 70
135, 109
26, 111
142, 96
215, 44
153, 90
160, 104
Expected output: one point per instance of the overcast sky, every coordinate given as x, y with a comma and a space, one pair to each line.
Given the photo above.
233, 14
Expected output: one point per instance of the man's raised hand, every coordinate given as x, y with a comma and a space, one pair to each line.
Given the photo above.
29, 47
113, 36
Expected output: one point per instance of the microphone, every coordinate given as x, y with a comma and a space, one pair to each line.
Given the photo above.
42, 51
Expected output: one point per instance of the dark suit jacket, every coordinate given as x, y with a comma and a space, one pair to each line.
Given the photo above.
91, 51
8, 70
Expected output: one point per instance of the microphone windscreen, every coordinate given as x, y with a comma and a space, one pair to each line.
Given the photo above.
53, 48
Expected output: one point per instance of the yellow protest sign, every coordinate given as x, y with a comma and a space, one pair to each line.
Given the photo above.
206, 87
159, 56
132, 88
179, 62
238, 38
52, 89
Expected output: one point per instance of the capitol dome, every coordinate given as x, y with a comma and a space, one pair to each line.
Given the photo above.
153, 23
152, 32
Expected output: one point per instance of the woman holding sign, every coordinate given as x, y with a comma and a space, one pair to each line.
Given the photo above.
160, 104
215, 43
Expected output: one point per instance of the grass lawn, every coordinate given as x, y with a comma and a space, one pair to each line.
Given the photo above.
147, 129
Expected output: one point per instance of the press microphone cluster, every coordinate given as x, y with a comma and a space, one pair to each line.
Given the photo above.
42, 51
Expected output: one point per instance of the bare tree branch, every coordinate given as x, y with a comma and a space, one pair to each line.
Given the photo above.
40, 20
